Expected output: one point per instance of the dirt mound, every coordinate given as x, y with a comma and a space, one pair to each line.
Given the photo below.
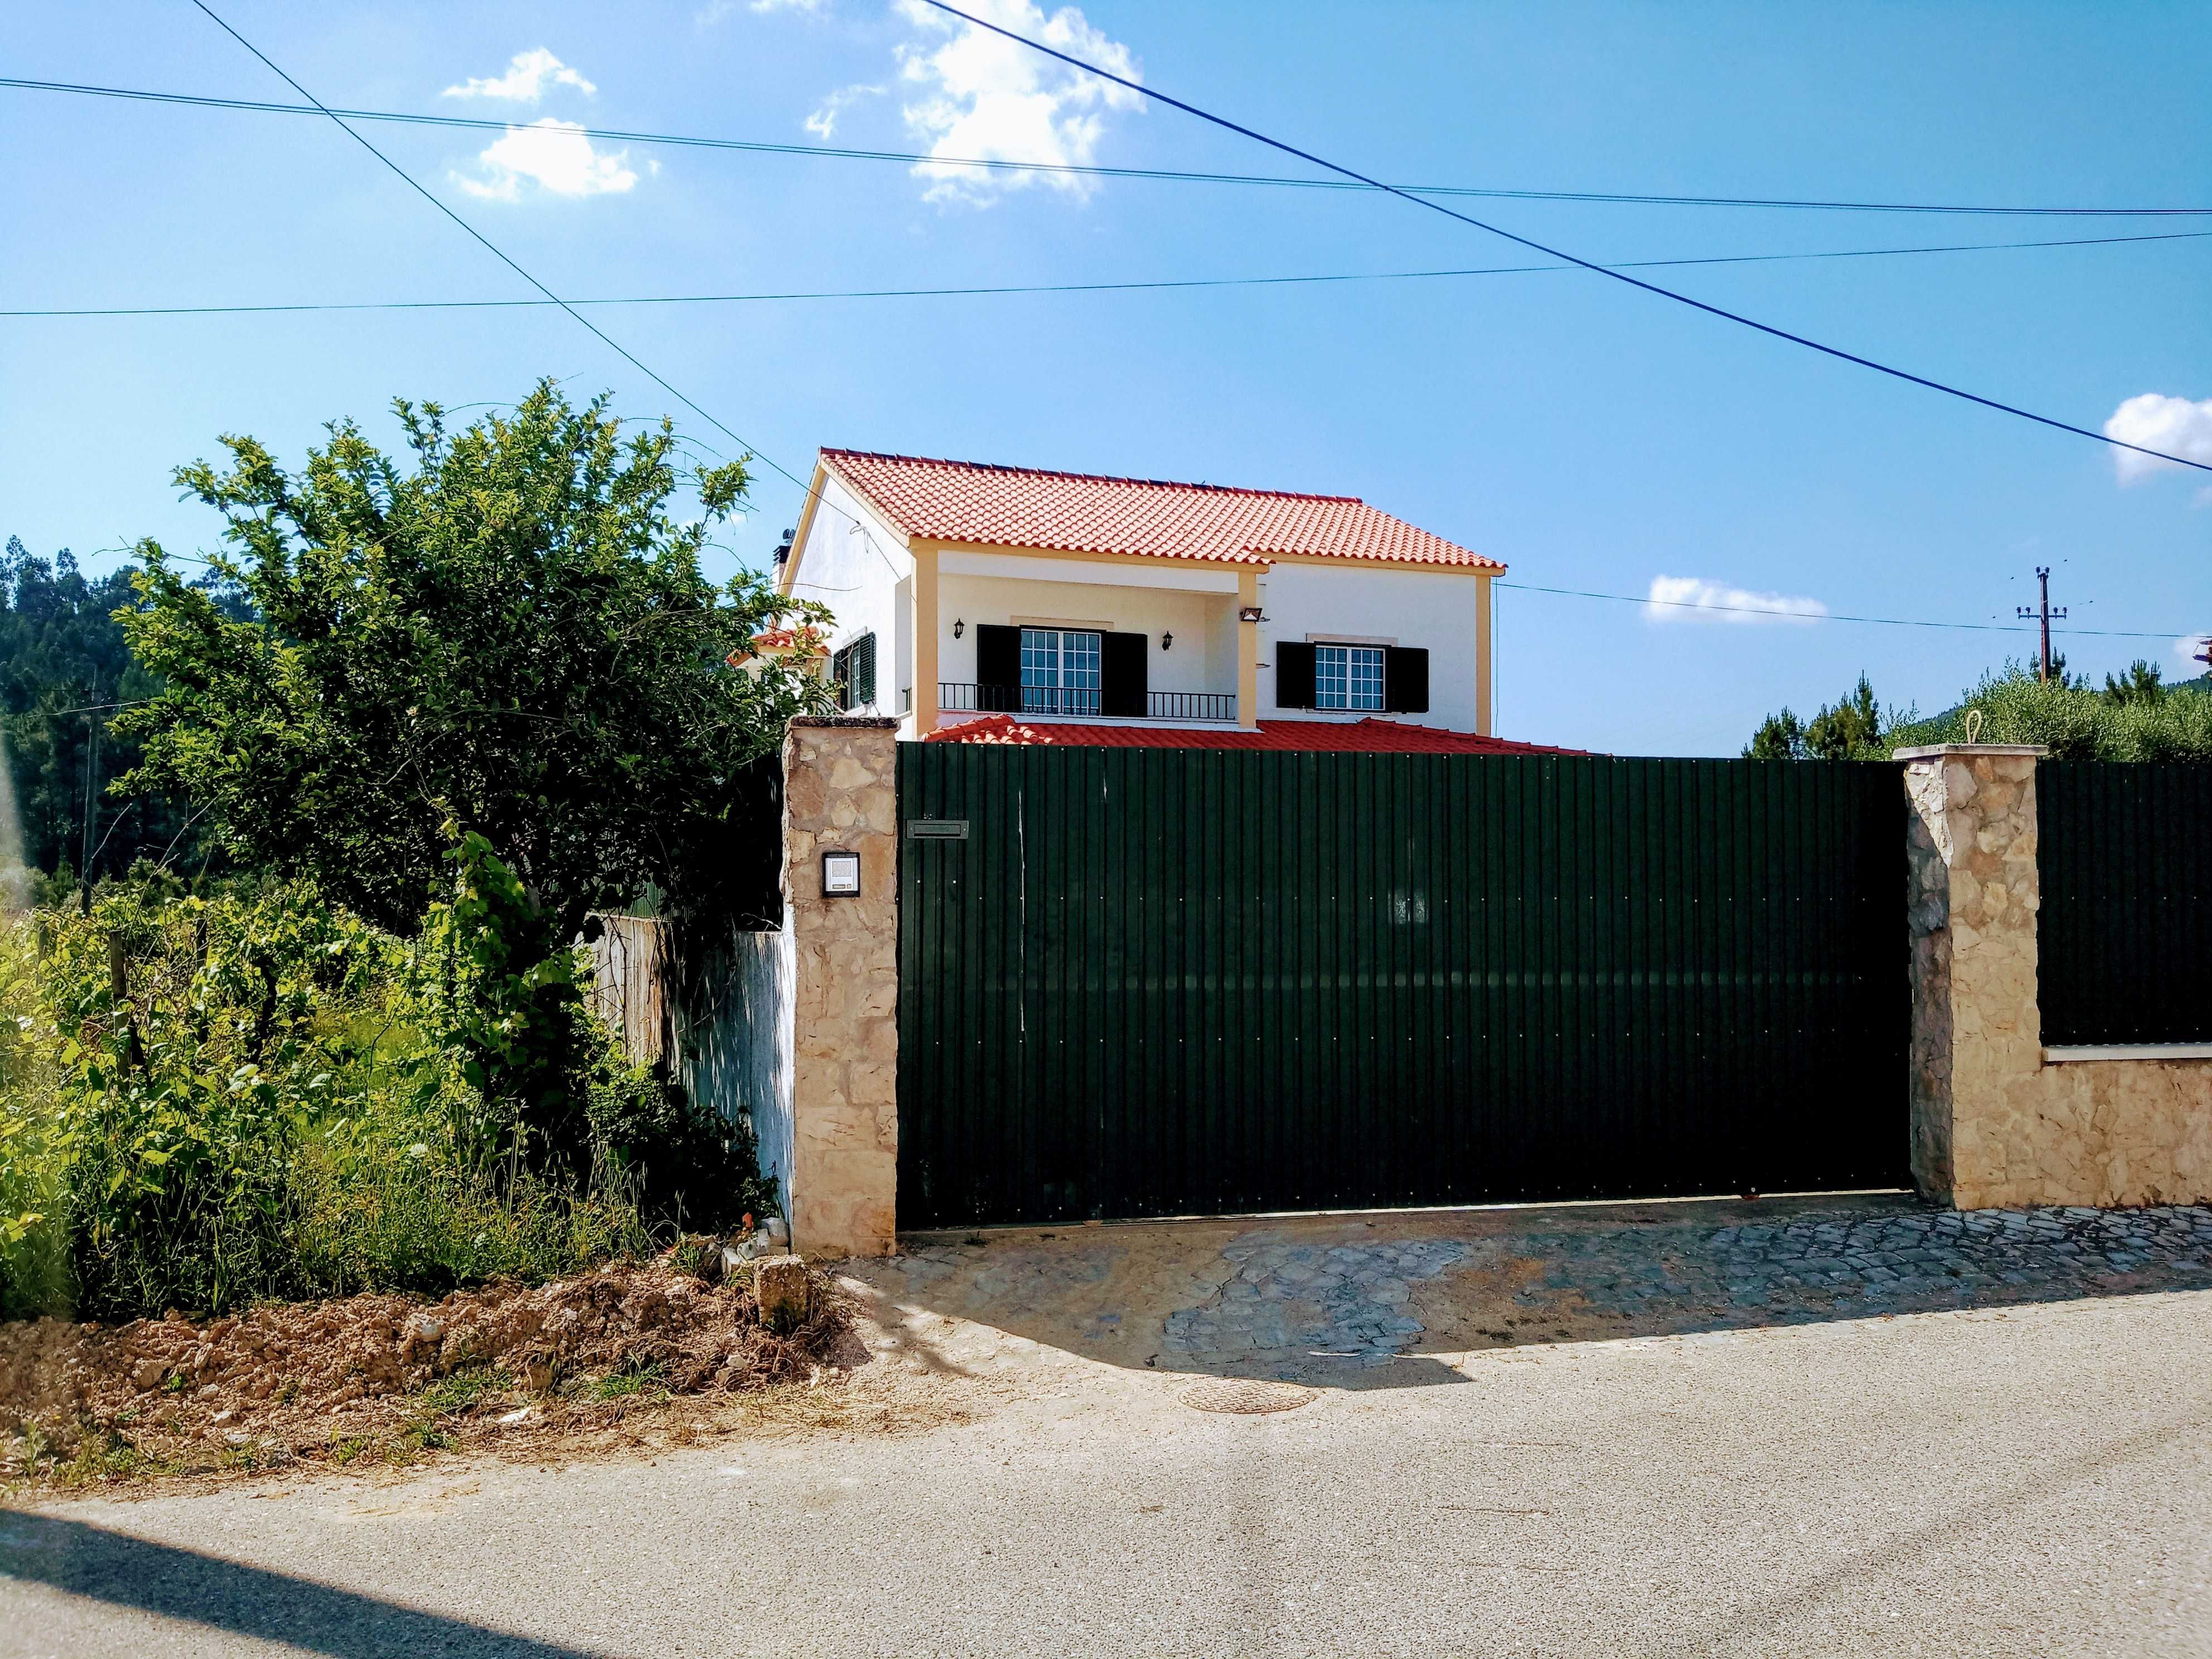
387, 1373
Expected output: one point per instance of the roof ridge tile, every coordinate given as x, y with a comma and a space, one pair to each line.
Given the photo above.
1091, 477
989, 504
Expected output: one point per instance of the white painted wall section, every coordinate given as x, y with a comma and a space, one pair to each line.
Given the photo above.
855, 563
1434, 610
1193, 618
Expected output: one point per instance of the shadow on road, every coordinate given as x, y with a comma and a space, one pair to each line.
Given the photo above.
124, 1571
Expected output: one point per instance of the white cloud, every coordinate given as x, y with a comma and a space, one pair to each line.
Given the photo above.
824, 122
527, 73
2173, 424
977, 94
557, 155
787, 5
1693, 598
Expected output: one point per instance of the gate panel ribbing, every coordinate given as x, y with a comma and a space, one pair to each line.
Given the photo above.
1157, 981
2125, 859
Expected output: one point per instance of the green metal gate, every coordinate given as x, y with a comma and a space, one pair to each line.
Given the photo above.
1171, 981
2126, 923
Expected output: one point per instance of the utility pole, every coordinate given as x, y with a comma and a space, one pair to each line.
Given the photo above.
2032, 612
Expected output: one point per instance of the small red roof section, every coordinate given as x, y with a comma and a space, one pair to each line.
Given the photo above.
1315, 737
1077, 512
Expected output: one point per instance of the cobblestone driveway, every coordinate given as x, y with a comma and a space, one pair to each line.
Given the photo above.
1650, 1272
1350, 1297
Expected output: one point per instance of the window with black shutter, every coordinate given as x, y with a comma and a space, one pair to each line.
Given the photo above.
852, 672
1294, 675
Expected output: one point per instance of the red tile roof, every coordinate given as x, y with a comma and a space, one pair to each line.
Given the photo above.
1077, 512
1362, 737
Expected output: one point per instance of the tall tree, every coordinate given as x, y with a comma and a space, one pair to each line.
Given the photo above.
64, 664
503, 631
2144, 682
1850, 729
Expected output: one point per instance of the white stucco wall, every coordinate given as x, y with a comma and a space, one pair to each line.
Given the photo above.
1434, 610
1194, 619
852, 562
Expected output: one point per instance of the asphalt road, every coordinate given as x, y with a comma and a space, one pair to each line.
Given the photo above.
2034, 1481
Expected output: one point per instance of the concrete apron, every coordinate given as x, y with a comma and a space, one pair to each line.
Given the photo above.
1398, 1299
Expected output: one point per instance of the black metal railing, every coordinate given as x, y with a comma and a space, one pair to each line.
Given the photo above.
957, 697
1191, 705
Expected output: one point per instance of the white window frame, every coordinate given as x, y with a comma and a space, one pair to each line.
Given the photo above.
1060, 670
1348, 678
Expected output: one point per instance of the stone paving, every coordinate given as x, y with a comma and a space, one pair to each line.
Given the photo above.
1884, 1262
1644, 1274
1337, 1300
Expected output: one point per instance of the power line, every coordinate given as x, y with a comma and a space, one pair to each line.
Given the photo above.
765, 147
1137, 285
407, 179
1824, 615
1544, 248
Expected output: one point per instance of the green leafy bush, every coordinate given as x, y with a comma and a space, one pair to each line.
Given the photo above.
34, 1261
212, 1101
2123, 723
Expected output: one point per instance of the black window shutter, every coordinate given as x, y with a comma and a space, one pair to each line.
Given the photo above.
998, 669
1405, 680
1124, 661
864, 672
1294, 675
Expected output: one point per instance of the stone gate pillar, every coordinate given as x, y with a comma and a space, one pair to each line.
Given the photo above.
841, 796
1977, 1028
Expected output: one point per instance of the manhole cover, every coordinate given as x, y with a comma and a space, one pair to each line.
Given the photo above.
1229, 1394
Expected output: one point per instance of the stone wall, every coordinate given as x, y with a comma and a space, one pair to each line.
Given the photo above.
1994, 1122
841, 792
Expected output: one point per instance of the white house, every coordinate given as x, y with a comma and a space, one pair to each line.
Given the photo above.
976, 601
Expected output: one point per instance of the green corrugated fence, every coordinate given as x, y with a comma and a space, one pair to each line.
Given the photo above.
2124, 936
1164, 982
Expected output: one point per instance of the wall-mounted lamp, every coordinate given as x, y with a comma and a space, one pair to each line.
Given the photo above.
1250, 613
1167, 641
958, 629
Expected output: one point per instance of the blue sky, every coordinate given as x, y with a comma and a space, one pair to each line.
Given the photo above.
1592, 437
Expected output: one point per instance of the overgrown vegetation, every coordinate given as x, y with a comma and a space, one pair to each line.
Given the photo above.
2133, 717
212, 1103
433, 712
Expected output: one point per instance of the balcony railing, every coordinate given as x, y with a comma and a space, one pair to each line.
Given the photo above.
956, 698
1191, 705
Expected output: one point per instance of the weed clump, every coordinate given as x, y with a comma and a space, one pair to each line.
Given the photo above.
211, 1102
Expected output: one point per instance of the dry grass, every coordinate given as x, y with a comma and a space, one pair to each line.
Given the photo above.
619, 1358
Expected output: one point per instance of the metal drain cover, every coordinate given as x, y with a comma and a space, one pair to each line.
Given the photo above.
1246, 1396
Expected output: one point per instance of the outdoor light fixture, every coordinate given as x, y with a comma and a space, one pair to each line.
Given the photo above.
1167, 641
840, 875
958, 627
1250, 613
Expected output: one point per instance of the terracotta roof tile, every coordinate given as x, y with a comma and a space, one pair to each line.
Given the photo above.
1077, 512
1325, 737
